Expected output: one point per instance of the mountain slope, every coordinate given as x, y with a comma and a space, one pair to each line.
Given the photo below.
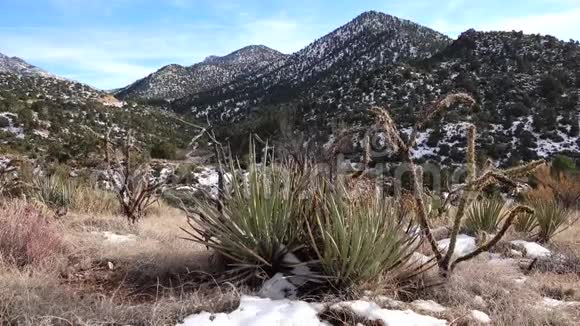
46, 117
174, 81
527, 88
18, 66
369, 41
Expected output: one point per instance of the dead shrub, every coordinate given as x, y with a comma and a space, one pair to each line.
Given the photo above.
564, 187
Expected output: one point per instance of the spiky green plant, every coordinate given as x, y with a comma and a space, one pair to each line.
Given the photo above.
551, 218
525, 223
257, 222
359, 240
484, 215
54, 191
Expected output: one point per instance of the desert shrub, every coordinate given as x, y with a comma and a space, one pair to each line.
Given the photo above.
525, 223
27, 237
484, 215
555, 185
54, 191
551, 217
562, 163
135, 186
184, 174
164, 150
359, 240
182, 198
255, 225
90, 199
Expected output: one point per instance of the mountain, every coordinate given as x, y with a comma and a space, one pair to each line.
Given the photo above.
20, 67
368, 42
175, 81
43, 116
527, 88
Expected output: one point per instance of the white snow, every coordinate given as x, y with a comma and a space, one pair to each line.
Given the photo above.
257, 311
261, 312
372, 311
417, 259
532, 249
428, 306
116, 238
480, 316
463, 246
550, 303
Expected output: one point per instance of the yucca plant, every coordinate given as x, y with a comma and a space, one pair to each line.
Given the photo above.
551, 218
525, 223
484, 215
256, 223
360, 240
54, 191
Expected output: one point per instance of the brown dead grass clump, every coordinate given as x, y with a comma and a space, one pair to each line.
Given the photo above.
564, 188
27, 236
42, 300
153, 279
505, 300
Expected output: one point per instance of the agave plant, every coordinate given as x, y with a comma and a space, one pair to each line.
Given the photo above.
256, 223
484, 215
551, 218
359, 240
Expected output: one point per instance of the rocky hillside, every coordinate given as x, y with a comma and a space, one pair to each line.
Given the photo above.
368, 42
175, 81
18, 66
39, 87
527, 87
47, 117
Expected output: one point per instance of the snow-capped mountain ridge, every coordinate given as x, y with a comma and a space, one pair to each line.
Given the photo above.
18, 66
174, 81
368, 42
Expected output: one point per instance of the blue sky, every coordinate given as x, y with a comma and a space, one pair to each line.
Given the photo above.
110, 43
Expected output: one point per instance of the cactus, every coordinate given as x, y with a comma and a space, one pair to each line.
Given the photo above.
474, 183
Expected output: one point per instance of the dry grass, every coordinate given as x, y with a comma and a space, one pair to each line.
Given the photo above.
505, 300
28, 236
91, 200
42, 300
154, 279
564, 188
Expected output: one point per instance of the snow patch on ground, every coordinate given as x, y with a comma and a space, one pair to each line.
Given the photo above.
372, 311
550, 303
479, 316
261, 312
464, 245
267, 312
532, 249
116, 238
428, 306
